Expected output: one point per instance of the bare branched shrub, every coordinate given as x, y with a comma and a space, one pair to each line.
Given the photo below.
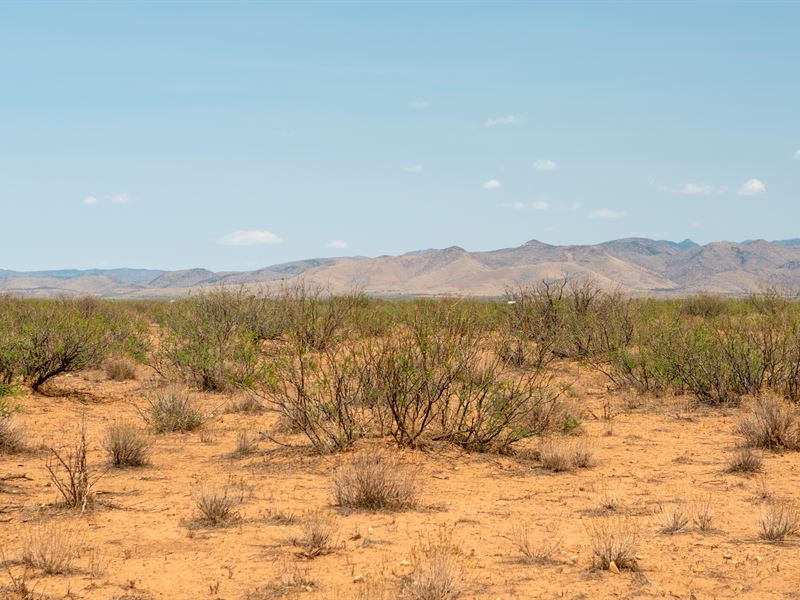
246, 442
565, 454
51, 548
534, 551
318, 535
437, 568
374, 482
777, 521
120, 369
744, 460
69, 472
126, 445
672, 518
702, 510
771, 424
12, 438
172, 410
217, 504
614, 540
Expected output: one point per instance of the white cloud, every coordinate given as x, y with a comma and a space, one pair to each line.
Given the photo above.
90, 200
419, 104
693, 189
796, 155
751, 187
254, 237
577, 205
541, 205
337, 244
414, 169
120, 199
607, 213
507, 120
492, 184
514, 205
545, 164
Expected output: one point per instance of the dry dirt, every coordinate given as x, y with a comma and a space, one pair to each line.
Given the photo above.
141, 539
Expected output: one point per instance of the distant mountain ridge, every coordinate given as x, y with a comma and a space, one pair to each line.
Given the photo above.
634, 265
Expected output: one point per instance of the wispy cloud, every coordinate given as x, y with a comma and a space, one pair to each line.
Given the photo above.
796, 155
419, 104
545, 164
507, 120
693, 189
414, 169
751, 187
254, 237
607, 213
514, 205
337, 244
540, 205
120, 199
492, 184
90, 200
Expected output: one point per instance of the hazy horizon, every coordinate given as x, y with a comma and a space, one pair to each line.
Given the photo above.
235, 136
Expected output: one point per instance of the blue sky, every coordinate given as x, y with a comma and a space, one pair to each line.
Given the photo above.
233, 136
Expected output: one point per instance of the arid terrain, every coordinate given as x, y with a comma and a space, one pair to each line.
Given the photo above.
142, 540
634, 265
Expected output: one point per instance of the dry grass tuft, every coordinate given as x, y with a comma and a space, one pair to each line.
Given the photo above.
125, 445
563, 454
531, 552
374, 482
293, 579
702, 511
246, 442
772, 424
778, 521
12, 438
744, 460
173, 410
120, 369
51, 548
217, 505
614, 540
318, 535
438, 568
672, 518
247, 404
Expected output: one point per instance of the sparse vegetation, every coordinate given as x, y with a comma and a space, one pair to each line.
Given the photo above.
120, 369
70, 474
318, 535
126, 445
771, 424
374, 482
744, 460
672, 518
52, 548
777, 521
172, 410
12, 437
560, 454
217, 505
614, 543
534, 551
437, 568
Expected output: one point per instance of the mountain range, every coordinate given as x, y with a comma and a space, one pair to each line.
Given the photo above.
638, 266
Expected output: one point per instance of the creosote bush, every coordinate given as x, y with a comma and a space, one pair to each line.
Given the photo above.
125, 445
374, 482
172, 410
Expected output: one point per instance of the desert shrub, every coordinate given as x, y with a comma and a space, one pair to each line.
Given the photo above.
12, 437
534, 551
561, 454
316, 319
172, 410
208, 342
217, 504
70, 474
437, 568
770, 424
323, 396
125, 445
614, 541
374, 482
54, 337
318, 535
778, 521
120, 369
704, 305
672, 518
51, 548
744, 460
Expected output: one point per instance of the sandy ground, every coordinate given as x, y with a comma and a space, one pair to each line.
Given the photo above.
141, 540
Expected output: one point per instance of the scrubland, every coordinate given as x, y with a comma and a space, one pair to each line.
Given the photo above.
562, 442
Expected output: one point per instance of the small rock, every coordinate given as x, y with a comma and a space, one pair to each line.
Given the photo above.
727, 556
612, 566
358, 579
404, 563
